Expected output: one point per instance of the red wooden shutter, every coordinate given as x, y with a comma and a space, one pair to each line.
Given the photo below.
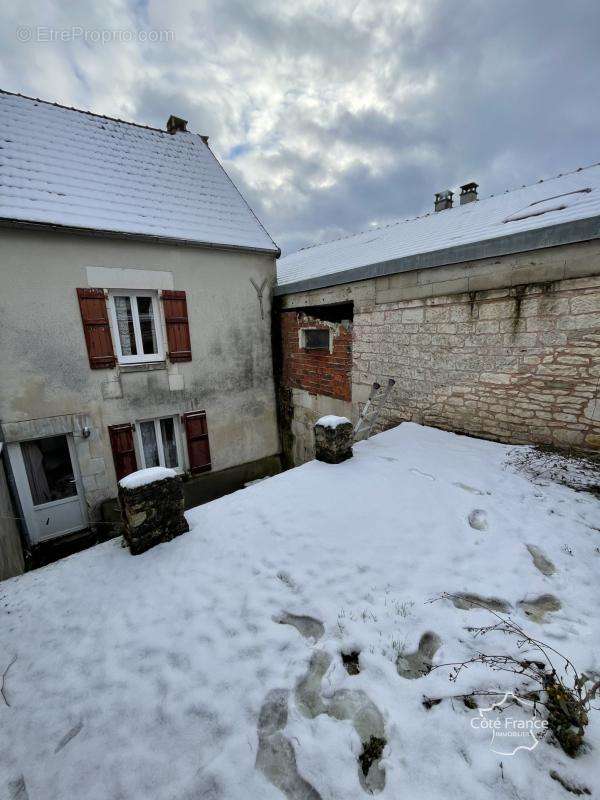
94, 316
178, 329
196, 431
121, 442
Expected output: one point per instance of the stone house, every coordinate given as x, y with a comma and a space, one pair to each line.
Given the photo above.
135, 303
485, 312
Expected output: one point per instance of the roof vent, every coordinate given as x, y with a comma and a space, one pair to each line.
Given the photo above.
175, 124
443, 200
468, 192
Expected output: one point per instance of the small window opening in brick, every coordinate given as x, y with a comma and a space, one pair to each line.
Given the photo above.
316, 339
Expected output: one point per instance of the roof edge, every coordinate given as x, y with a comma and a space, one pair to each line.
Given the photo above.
244, 201
85, 111
19, 224
572, 232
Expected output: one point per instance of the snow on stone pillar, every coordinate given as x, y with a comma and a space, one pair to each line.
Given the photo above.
333, 439
151, 503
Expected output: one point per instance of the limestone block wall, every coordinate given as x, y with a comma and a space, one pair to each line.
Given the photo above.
504, 348
520, 364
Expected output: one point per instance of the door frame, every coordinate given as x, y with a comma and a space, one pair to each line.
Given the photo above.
22, 485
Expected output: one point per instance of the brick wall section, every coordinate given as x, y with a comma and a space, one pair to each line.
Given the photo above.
520, 364
316, 371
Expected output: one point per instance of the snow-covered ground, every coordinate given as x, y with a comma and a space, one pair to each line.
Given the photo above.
173, 674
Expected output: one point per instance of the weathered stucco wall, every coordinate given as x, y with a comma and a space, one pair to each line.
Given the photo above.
44, 362
505, 348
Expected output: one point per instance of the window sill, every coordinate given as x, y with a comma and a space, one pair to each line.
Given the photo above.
147, 366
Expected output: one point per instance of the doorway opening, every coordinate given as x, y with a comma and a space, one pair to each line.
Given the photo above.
49, 486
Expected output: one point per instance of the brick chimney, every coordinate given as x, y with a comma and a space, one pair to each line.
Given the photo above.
175, 124
468, 193
443, 200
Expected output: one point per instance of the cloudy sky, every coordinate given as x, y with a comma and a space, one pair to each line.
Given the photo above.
332, 116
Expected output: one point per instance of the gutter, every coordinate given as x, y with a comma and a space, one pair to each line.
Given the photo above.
583, 230
141, 237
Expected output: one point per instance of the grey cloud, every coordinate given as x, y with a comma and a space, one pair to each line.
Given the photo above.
388, 101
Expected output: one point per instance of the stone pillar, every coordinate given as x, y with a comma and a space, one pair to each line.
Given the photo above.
151, 503
333, 439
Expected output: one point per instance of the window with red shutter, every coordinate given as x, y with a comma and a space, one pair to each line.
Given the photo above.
196, 431
96, 328
121, 442
178, 329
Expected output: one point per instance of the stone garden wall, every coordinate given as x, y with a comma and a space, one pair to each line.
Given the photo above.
152, 512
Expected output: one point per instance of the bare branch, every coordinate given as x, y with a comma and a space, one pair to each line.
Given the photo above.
4, 674
564, 695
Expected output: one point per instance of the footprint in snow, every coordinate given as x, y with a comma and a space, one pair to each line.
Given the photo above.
466, 602
478, 519
353, 705
276, 758
545, 566
417, 664
308, 627
538, 608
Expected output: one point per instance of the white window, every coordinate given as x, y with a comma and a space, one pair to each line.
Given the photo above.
136, 327
158, 443
315, 339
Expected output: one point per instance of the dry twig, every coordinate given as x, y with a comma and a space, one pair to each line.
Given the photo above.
565, 693
4, 674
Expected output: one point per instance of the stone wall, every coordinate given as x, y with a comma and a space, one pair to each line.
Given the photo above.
152, 513
518, 365
504, 348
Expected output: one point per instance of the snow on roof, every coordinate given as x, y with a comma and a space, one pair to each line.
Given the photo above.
62, 166
566, 198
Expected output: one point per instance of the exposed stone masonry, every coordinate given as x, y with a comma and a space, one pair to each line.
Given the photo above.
152, 513
333, 444
520, 364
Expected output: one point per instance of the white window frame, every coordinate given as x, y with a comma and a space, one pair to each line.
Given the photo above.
140, 358
302, 342
157, 432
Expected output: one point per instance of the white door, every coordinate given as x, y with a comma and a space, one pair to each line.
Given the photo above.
49, 486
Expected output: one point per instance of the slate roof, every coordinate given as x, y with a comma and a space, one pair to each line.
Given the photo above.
62, 166
492, 226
